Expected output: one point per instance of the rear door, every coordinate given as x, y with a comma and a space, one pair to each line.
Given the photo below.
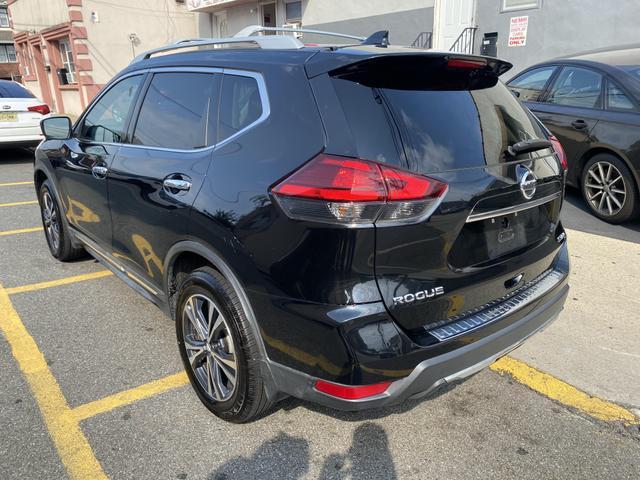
154, 180
490, 235
571, 108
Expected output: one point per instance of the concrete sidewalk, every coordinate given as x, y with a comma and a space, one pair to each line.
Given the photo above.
595, 343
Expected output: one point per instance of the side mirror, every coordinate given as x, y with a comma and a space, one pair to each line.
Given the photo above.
56, 128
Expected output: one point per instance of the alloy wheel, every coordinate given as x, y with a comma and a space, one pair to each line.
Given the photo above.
210, 348
51, 221
605, 188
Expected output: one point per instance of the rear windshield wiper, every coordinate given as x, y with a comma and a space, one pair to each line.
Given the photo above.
526, 146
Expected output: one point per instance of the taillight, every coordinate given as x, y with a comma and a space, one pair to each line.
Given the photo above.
41, 109
352, 191
349, 392
557, 146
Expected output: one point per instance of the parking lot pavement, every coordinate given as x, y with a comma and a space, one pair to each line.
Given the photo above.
93, 385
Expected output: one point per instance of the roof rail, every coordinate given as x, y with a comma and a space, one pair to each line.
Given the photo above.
253, 29
268, 42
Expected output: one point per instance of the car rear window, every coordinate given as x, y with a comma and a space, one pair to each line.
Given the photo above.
14, 90
439, 129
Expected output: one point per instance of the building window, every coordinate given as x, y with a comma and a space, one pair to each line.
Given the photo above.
7, 54
293, 11
4, 17
67, 60
512, 5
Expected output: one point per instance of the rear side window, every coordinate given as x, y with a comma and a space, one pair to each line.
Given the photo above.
368, 120
576, 87
107, 119
178, 111
14, 90
240, 105
529, 85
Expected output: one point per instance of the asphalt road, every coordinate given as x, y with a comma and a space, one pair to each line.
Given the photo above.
97, 338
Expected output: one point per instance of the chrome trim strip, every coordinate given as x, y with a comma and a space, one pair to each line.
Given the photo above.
522, 297
476, 217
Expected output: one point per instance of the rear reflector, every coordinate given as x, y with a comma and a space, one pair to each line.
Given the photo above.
352, 191
349, 392
41, 109
557, 146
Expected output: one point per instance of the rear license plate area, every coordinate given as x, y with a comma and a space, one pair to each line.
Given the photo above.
8, 117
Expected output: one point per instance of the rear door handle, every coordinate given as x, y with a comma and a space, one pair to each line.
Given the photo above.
579, 124
99, 171
174, 185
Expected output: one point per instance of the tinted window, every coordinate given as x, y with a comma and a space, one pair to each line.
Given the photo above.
240, 105
368, 120
107, 119
178, 111
445, 130
14, 90
576, 87
617, 99
529, 85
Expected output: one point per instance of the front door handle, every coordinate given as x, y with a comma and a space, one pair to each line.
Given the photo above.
175, 185
99, 171
579, 124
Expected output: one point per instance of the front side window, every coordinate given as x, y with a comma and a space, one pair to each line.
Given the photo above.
240, 105
576, 87
617, 99
4, 17
529, 85
67, 60
107, 119
179, 111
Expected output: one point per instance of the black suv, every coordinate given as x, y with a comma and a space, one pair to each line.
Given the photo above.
353, 225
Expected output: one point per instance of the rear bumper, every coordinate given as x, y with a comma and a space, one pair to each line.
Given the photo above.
23, 135
436, 371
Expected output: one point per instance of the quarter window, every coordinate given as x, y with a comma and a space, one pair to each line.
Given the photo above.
576, 87
240, 105
179, 111
107, 119
530, 85
67, 60
617, 99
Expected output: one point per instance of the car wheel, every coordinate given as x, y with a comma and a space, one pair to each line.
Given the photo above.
55, 229
219, 348
609, 189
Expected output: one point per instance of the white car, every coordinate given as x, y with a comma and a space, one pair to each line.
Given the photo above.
20, 115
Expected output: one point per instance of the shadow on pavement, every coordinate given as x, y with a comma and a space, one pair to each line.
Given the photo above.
288, 457
577, 216
15, 156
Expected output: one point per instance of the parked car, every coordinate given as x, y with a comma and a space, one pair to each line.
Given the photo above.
20, 115
351, 225
591, 102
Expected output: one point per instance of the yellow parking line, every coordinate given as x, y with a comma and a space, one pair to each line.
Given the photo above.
54, 283
6, 233
17, 204
564, 393
72, 446
127, 397
13, 184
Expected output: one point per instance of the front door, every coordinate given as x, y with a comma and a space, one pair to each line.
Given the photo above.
154, 181
451, 18
84, 160
269, 15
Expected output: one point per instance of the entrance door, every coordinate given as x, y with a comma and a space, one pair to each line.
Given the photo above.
221, 25
452, 17
41, 75
269, 15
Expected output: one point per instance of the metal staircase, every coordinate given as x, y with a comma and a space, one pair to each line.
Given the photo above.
423, 40
465, 43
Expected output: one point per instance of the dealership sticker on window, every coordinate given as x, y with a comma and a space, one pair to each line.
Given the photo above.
518, 31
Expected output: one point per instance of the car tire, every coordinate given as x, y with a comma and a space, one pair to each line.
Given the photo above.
609, 189
55, 228
217, 343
